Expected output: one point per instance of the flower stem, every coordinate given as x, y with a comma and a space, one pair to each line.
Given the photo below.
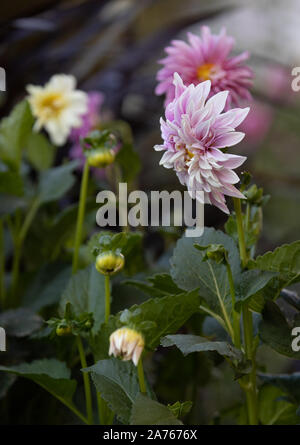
236, 317
107, 298
251, 393
141, 376
250, 381
105, 414
80, 216
86, 381
240, 229
19, 238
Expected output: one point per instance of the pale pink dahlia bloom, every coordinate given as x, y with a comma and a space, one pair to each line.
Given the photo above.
195, 132
206, 58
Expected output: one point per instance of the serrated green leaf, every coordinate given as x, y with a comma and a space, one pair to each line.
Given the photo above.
154, 318
193, 343
146, 411
159, 284
189, 271
118, 384
85, 291
285, 260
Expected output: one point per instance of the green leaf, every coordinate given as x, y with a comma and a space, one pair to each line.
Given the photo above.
285, 260
154, 318
249, 286
40, 153
117, 382
11, 183
146, 411
275, 331
10, 203
63, 227
193, 343
129, 162
20, 322
273, 409
159, 284
190, 272
47, 286
14, 131
288, 383
85, 291
55, 182
180, 409
6, 381
50, 374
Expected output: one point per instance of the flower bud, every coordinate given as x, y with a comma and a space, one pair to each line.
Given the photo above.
101, 157
109, 262
127, 344
63, 330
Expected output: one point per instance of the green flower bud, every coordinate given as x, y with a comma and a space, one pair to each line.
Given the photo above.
101, 157
109, 262
62, 330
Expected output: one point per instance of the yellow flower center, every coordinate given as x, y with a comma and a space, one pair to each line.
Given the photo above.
50, 104
189, 154
204, 71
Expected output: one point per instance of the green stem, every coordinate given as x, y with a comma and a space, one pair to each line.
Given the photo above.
240, 229
19, 238
2, 267
86, 381
107, 298
15, 271
251, 393
141, 376
28, 220
236, 317
105, 414
80, 215
250, 381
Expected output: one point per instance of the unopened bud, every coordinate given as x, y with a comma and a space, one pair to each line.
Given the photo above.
63, 330
127, 344
109, 263
101, 157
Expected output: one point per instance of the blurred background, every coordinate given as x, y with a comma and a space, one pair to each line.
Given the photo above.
113, 46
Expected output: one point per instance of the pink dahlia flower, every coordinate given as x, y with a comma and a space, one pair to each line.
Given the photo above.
206, 58
194, 133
